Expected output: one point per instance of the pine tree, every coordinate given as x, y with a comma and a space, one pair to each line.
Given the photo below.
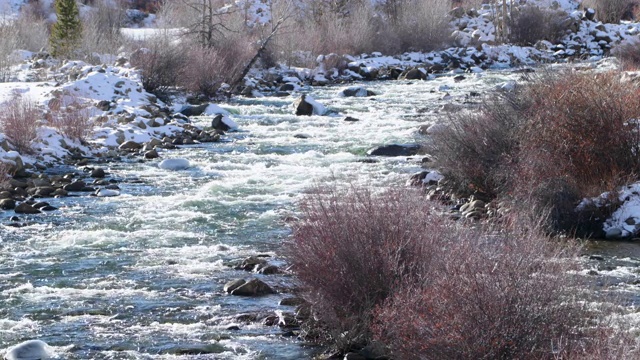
67, 31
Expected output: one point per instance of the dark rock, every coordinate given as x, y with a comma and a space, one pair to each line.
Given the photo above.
418, 179
250, 263
233, 284
98, 173
77, 185
596, 257
354, 356
253, 287
286, 87
458, 78
267, 269
413, 74
292, 301
194, 110
25, 208
104, 105
130, 145
49, 208
151, 154
7, 204
301, 136
395, 150
351, 119
45, 191
40, 205
357, 91
303, 108
219, 124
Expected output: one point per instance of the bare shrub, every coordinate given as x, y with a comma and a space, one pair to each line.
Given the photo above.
19, 122
353, 248
355, 28
487, 295
612, 11
531, 24
592, 136
476, 148
388, 266
205, 70
70, 116
27, 32
422, 25
101, 29
161, 64
558, 139
628, 53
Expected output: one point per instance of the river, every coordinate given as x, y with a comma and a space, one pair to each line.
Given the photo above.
140, 276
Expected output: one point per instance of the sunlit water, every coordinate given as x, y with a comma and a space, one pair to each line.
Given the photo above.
140, 276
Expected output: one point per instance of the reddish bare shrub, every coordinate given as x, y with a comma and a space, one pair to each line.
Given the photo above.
558, 139
488, 295
477, 147
587, 124
70, 116
352, 250
161, 64
388, 266
19, 122
206, 69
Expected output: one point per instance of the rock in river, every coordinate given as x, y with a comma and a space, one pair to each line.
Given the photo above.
253, 287
395, 150
174, 164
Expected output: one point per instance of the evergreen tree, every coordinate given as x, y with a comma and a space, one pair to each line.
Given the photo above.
67, 31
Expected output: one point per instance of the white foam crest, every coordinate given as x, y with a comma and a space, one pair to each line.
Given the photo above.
24, 325
43, 293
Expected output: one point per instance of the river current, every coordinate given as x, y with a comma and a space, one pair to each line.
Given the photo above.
140, 276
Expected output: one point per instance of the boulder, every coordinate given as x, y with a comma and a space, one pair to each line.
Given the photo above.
395, 150
28, 350
351, 119
292, 301
193, 110
151, 154
130, 145
223, 123
25, 208
302, 107
174, 164
233, 284
104, 105
250, 263
253, 287
7, 204
77, 185
413, 74
98, 173
356, 91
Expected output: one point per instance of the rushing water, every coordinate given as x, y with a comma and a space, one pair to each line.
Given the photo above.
140, 276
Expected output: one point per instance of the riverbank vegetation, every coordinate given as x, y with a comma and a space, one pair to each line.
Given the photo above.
387, 274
